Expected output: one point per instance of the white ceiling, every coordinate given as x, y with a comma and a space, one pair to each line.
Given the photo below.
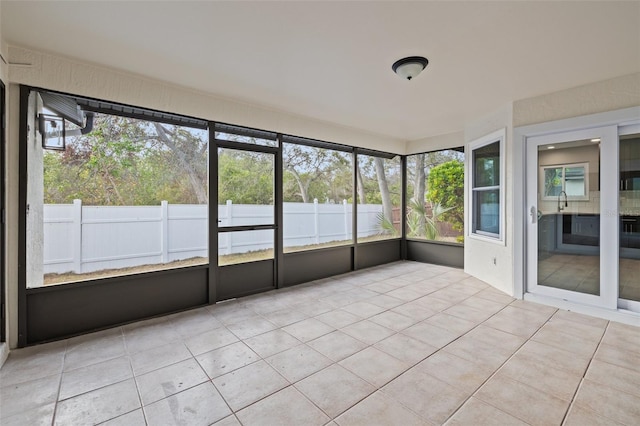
332, 60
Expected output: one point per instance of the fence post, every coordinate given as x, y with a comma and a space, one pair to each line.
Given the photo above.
164, 217
230, 220
347, 217
76, 217
316, 222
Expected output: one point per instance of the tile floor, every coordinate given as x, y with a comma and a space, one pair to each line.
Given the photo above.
582, 273
401, 344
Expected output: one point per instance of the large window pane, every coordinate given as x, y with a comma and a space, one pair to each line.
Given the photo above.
318, 192
379, 198
128, 197
435, 196
486, 206
486, 162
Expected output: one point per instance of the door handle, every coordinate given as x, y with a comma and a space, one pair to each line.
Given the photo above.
534, 214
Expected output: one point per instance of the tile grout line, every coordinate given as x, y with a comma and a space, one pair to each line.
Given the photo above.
135, 381
55, 405
499, 367
584, 375
377, 388
433, 353
193, 356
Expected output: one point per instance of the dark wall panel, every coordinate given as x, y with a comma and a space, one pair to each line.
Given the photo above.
438, 253
59, 311
377, 253
312, 265
244, 279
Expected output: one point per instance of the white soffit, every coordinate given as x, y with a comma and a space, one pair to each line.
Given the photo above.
332, 61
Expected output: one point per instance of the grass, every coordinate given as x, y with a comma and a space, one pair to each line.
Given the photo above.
68, 277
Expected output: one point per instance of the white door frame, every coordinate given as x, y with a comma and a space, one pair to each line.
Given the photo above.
608, 294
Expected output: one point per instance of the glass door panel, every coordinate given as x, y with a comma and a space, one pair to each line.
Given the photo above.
569, 216
629, 258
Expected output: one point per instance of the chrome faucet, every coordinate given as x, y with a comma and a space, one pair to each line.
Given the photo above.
566, 203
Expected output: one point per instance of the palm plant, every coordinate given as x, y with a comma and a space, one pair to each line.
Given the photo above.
420, 223
386, 225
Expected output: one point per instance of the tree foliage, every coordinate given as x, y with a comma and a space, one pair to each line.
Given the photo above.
125, 161
245, 177
446, 188
314, 173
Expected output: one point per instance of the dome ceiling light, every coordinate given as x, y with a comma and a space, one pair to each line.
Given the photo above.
410, 67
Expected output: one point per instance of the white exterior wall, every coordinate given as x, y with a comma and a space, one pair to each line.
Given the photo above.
434, 143
35, 195
4, 71
11, 205
491, 262
609, 95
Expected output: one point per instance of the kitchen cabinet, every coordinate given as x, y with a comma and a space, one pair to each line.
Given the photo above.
630, 232
630, 165
547, 233
581, 229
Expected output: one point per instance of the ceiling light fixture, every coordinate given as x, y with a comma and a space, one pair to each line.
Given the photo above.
594, 140
410, 67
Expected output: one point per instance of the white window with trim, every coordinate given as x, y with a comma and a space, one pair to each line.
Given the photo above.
568, 180
486, 187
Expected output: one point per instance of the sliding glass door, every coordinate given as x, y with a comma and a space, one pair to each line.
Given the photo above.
572, 231
629, 213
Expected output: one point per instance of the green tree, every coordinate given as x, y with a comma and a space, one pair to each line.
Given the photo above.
245, 177
446, 188
313, 173
124, 161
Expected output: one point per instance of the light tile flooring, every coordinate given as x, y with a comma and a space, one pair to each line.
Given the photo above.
582, 273
401, 344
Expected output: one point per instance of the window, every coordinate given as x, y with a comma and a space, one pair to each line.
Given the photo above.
572, 179
318, 197
379, 197
129, 196
487, 187
435, 196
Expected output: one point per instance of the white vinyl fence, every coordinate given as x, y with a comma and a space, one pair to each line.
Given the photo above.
82, 239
